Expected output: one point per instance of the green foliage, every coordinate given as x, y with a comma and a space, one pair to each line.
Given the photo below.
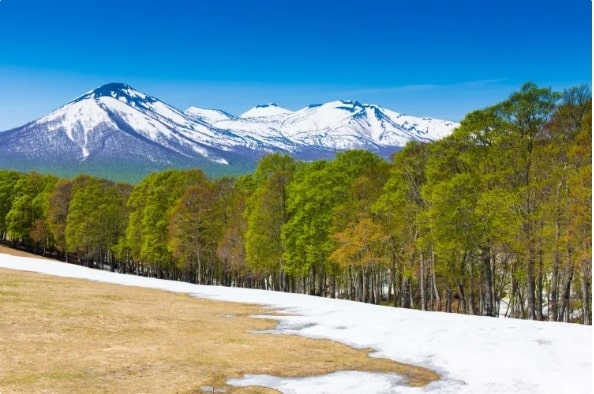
96, 217
231, 246
29, 195
313, 194
8, 180
58, 203
195, 225
266, 213
325, 199
150, 204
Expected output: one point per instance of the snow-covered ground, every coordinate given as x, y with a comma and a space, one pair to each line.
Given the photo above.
472, 354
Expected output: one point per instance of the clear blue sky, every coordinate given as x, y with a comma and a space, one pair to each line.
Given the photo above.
439, 58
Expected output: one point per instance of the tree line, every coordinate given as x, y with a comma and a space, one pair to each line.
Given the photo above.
493, 220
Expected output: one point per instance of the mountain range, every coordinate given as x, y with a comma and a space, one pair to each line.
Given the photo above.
118, 132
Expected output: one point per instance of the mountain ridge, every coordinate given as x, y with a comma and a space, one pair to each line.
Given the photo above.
116, 125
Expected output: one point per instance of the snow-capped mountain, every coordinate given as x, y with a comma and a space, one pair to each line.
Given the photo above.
116, 111
118, 127
334, 126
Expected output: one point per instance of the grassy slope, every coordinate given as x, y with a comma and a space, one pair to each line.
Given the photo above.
66, 335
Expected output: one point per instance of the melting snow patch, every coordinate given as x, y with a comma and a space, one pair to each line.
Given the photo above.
337, 382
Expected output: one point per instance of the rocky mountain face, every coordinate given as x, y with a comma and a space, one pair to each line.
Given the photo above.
118, 132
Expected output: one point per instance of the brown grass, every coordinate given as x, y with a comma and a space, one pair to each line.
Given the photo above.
15, 252
67, 335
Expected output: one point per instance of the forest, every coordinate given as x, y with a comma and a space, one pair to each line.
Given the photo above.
494, 220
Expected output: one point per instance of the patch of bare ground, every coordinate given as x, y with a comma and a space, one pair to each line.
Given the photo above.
16, 252
65, 335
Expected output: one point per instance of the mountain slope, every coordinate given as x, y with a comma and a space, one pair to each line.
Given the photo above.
208, 115
116, 129
335, 126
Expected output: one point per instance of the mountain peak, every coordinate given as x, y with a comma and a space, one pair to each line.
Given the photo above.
354, 103
114, 85
261, 110
111, 89
119, 91
351, 106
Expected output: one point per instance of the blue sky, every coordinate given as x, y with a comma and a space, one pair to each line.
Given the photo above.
439, 58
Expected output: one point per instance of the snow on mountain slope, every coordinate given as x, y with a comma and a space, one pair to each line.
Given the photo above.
332, 126
208, 115
336, 125
74, 119
119, 107
118, 124
433, 128
266, 110
170, 121
341, 124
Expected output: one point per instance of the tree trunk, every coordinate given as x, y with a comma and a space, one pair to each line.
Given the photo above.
531, 286
554, 297
487, 282
405, 293
586, 291
565, 311
462, 298
539, 288
434, 283
471, 300
422, 282
395, 281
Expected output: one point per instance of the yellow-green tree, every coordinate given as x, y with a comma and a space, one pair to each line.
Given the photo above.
8, 180
266, 213
96, 220
194, 228
147, 233
27, 211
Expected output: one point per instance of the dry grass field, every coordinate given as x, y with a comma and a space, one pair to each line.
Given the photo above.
66, 335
